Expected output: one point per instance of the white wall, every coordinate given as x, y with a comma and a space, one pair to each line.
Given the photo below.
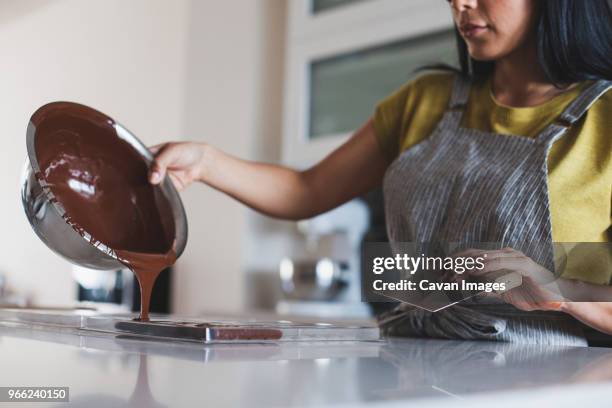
234, 102
125, 58
193, 69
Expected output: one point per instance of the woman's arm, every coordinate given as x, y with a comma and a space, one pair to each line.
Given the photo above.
588, 302
351, 170
597, 315
540, 290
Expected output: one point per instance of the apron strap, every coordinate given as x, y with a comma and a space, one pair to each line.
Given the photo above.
574, 112
461, 93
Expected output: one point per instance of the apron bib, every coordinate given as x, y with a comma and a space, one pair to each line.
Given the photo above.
466, 186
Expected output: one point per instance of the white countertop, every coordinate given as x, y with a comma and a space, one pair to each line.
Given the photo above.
105, 371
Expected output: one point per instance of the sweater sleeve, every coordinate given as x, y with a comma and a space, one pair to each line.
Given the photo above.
388, 118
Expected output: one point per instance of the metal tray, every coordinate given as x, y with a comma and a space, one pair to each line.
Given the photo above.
191, 329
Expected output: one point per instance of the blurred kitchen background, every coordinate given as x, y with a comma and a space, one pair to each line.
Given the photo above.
282, 81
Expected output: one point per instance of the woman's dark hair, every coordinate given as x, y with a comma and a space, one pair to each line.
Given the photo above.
574, 43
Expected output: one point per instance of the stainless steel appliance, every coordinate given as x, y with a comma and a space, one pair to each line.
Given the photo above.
118, 290
325, 279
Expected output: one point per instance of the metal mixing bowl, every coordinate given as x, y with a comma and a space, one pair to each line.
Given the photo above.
45, 214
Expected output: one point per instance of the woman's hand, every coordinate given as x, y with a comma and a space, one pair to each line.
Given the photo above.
532, 294
183, 162
541, 291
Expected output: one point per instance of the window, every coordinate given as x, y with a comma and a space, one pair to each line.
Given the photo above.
319, 6
343, 56
344, 89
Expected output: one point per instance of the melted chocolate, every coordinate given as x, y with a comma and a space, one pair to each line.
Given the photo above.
101, 182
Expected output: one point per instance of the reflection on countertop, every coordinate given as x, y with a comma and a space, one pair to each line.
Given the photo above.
128, 371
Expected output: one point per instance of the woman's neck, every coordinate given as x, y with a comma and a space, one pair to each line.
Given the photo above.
518, 80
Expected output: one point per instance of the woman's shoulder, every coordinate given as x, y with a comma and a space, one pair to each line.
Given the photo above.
599, 115
598, 125
430, 89
435, 80
420, 101
432, 83
604, 103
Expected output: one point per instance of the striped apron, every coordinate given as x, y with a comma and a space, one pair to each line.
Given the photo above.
466, 186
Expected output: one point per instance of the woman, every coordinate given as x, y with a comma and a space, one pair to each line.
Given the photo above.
514, 148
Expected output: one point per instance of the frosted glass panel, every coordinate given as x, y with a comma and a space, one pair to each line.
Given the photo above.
345, 89
322, 5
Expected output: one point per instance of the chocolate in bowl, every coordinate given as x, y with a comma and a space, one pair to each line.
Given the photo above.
91, 173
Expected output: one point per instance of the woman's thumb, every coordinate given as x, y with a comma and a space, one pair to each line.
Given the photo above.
156, 175
158, 168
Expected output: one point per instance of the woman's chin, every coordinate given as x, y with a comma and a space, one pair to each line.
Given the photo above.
482, 54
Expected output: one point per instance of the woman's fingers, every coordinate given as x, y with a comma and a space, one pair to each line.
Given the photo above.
469, 253
177, 160
156, 148
499, 253
512, 263
503, 253
155, 176
164, 157
494, 260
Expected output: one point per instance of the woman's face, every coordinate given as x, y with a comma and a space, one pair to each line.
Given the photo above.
492, 29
